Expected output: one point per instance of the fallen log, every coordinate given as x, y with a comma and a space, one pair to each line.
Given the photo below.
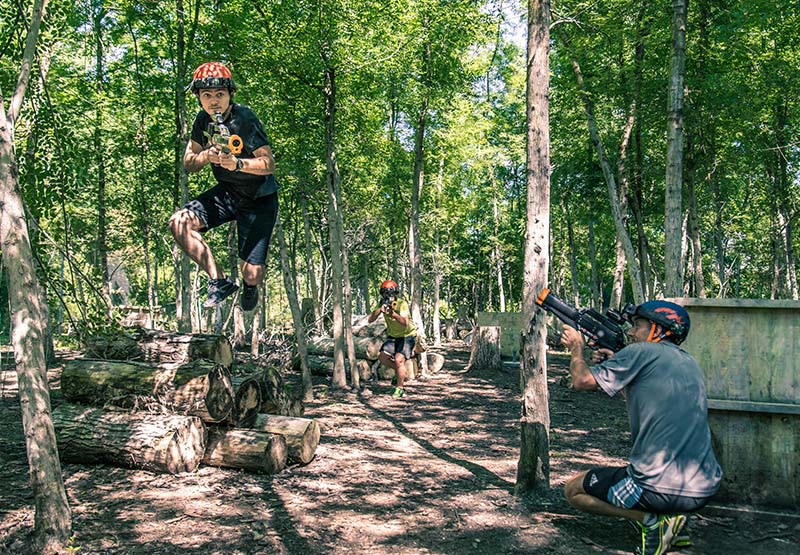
365, 347
198, 388
161, 347
435, 362
246, 449
302, 434
163, 443
320, 365
273, 394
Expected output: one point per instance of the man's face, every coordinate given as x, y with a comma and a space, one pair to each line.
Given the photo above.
640, 330
214, 100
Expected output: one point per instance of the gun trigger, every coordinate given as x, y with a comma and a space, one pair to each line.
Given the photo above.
236, 144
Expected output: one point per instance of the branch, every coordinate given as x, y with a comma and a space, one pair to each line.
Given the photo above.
27, 60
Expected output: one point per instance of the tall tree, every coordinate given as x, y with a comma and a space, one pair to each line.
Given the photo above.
53, 522
673, 208
533, 468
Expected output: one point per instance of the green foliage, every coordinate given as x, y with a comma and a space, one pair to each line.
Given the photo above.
391, 60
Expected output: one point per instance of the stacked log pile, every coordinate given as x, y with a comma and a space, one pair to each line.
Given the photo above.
367, 340
177, 406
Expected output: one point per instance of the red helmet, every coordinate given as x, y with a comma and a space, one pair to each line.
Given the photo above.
212, 75
388, 286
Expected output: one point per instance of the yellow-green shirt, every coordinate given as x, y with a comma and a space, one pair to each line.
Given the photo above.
394, 328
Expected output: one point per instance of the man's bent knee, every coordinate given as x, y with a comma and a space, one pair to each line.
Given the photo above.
573, 487
184, 220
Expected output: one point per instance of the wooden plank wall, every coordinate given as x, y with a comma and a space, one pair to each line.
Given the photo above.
749, 351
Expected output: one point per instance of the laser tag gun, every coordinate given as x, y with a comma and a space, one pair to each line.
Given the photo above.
602, 330
388, 303
221, 137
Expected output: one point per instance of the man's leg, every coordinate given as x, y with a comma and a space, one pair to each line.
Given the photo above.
252, 274
578, 498
185, 225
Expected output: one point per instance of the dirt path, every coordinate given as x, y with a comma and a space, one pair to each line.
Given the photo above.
432, 473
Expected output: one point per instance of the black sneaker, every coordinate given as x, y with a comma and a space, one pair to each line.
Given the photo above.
249, 298
218, 291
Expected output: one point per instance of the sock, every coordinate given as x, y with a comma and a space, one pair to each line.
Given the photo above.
650, 519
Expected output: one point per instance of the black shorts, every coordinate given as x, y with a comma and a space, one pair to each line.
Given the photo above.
255, 219
402, 345
615, 486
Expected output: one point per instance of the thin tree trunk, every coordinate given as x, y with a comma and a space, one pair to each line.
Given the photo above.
533, 467
414, 255
611, 184
339, 379
311, 267
52, 520
498, 259
597, 291
101, 260
297, 317
437, 270
180, 194
673, 210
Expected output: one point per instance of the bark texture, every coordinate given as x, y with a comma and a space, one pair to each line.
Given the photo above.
246, 449
302, 434
162, 443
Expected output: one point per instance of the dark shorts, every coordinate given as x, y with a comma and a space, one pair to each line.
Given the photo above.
614, 485
254, 219
402, 345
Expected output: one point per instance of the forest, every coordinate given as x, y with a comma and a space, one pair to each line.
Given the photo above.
421, 105
402, 138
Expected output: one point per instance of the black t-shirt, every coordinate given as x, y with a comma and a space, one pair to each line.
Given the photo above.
241, 121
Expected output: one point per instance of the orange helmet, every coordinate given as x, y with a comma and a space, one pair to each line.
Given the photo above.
388, 287
212, 75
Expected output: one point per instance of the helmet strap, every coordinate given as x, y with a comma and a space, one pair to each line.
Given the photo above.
652, 337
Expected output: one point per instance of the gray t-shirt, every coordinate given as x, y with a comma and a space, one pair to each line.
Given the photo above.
668, 412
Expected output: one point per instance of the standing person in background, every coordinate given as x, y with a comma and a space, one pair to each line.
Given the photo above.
672, 469
229, 137
401, 332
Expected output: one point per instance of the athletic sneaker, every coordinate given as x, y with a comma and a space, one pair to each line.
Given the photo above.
656, 537
680, 536
398, 392
219, 290
249, 298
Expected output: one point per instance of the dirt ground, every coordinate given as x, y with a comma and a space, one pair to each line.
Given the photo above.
432, 473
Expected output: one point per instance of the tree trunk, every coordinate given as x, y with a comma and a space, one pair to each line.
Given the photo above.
334, 209
180, 194
163, 443
199, 388
161, 347
485, 354
246, 449
297, 317
302, 434
673, 210
316, 297
418, 177
52, 517
533, 467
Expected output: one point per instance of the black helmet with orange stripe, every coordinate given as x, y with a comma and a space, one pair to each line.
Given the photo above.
673, 319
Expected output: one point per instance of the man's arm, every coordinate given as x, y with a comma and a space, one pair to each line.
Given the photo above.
582, 379
195, 157
262, 162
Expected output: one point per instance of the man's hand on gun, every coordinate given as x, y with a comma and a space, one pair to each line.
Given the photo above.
225, 159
